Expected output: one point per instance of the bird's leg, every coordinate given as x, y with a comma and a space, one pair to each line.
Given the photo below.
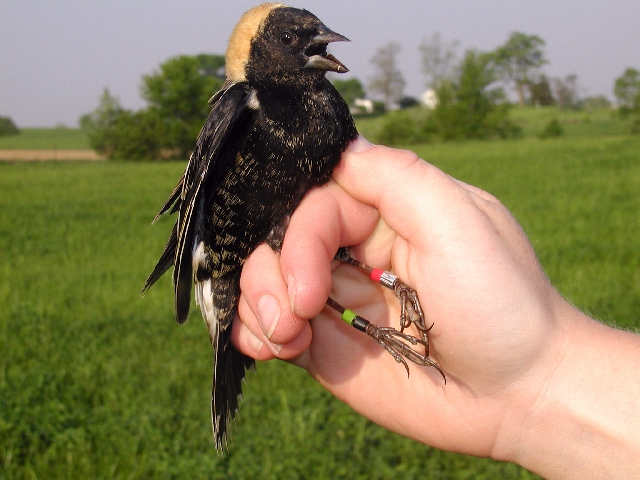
410, 309
398, 344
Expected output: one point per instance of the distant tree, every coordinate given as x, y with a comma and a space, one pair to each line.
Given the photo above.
211, 65
177, 96
349, 89
627, 90
179, 93
540, 92
388, 80
468, 108
108, 110
85, 121
596, 102
566, 92
438, 59
7, 127
97, 123
518, 59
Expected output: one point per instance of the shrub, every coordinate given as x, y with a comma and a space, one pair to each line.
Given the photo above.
7, 127
399, 127
406, 102
497, 123
553, 129
131, 136
378, 108
635, 126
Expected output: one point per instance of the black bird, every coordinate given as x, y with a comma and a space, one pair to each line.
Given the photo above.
277, 128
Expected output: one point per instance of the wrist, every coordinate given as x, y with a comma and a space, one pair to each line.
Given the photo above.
578, 416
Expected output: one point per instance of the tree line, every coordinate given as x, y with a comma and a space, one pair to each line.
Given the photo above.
470, 89
177, 98
517, 65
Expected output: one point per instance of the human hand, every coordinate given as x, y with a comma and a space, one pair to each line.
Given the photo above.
480, 284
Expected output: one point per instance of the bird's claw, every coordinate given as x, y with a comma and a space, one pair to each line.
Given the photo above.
398, 344
411, 311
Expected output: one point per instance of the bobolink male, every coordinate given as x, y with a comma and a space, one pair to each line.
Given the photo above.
276, 129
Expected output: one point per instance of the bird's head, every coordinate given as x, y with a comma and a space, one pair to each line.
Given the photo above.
276, 44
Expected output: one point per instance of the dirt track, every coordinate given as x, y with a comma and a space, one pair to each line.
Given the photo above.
42, 155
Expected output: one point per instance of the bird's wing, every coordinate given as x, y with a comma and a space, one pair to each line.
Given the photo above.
228, 106
174, 199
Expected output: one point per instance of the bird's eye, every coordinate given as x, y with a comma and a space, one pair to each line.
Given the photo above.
287, 38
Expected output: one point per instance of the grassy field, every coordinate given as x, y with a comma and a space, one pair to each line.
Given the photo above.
575, 123
603, 122
46, 139
96, 382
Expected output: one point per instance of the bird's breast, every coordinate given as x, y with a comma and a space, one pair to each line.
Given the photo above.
285, 149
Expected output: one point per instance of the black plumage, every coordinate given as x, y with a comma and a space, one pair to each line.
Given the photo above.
276, 129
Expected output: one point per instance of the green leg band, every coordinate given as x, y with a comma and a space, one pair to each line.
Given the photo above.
348, 316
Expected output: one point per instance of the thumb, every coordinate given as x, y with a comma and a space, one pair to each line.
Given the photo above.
412, 196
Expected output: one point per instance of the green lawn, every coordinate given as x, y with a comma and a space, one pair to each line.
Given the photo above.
46, 139
96, 382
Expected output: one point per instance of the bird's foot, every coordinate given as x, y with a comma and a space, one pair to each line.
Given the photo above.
397, 343
410, 308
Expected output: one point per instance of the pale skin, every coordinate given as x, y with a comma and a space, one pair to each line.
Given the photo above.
530, 378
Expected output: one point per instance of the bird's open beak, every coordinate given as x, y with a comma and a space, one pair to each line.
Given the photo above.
317, 52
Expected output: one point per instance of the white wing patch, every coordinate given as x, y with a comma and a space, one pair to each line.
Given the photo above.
204, 299
197, 254
204, 293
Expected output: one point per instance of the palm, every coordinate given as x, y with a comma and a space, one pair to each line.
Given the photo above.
484, 348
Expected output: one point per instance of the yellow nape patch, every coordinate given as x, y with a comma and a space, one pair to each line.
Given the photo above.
239, 46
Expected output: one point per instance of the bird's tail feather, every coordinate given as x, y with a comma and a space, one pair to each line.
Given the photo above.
217, 299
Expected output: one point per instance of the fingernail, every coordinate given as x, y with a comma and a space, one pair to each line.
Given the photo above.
274, 347
291, 288
254, 342
268, 314
359, 145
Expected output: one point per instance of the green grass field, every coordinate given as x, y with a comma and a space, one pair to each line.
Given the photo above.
602, 122
46, 139
96, 382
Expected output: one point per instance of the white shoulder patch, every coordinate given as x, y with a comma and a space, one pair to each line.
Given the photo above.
252, 101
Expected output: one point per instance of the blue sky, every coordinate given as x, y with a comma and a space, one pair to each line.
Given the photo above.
57, 56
